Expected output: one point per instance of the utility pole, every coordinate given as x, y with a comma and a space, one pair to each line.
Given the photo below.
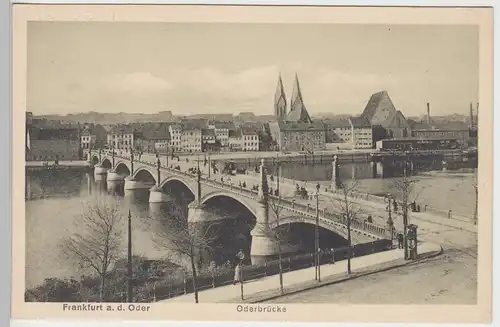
158, 166
129, 260
316, 233
406, 186
131, 162
278, 173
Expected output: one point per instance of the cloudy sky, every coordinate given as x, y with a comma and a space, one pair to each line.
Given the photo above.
229, 68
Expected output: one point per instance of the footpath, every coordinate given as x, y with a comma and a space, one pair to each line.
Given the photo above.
267, 288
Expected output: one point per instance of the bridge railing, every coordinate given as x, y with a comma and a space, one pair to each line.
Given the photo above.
305, 210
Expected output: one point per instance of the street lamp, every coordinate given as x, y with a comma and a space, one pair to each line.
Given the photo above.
316, 245
129, 260
158, 166
278, 173
406, 185
390, 222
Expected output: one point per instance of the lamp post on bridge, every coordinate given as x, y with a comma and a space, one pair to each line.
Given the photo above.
100, 151
278, 173
113, 155
158, 166
198, 180
316, 238
131, 162
390, 222
209, 164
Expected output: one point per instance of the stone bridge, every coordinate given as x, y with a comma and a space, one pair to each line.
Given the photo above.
269, 210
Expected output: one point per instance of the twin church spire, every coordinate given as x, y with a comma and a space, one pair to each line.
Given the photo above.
298, 111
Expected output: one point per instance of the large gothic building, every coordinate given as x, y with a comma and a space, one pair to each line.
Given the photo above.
294, 130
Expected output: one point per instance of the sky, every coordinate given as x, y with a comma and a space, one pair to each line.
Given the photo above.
192, 68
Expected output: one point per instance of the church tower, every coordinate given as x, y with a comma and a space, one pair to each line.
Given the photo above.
280, 101
298, 111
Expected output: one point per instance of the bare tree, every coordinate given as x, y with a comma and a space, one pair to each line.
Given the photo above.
98, 243
406, 192
347, 203
183, 239
279, 235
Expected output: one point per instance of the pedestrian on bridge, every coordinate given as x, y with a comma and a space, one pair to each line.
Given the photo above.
400, 240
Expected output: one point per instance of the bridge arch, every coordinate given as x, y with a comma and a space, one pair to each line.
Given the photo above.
106, 163
310, 221
171, 179
122, 168
243, 202
144, 175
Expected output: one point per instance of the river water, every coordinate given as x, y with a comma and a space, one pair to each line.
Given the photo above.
61, 197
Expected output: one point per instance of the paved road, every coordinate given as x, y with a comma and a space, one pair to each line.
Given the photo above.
450, 278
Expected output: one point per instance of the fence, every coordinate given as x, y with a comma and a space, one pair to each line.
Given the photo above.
269, 268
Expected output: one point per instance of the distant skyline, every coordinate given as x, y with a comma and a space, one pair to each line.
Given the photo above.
196, 68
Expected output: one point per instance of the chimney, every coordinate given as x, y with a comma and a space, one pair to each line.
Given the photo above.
471, 116
428, 113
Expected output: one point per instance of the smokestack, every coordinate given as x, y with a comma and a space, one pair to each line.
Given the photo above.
471, 116
428, 113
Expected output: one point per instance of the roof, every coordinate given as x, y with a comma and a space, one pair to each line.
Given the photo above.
337, 123
395, 119
374, 112
235, 134
122, 129
48, 133
248, 131
223, 125
360, 122
450, 126
208, 132
298, 111
156, 131
300, 126
416, 138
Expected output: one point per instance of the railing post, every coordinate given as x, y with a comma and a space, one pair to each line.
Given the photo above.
265, 268
293, 203
425, 208
449, 213
308, 207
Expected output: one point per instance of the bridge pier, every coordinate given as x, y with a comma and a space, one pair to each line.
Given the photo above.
133, 184
157, 195
380, 169
264, 243
113, 176
100, 170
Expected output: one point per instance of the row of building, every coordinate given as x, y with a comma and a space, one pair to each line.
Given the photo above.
291, 129
294, 130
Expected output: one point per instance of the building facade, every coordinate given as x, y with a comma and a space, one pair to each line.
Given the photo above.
175, 137
191, 140
250, 140
56, 143
122, 137
235, 141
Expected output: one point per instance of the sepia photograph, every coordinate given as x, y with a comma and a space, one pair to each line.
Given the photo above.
256, 164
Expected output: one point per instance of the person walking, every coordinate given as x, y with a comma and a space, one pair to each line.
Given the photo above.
237, 274
400, 240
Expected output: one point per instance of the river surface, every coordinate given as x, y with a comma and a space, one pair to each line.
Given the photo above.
60, 198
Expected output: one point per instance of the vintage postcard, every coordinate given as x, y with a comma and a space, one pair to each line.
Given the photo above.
252, 163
